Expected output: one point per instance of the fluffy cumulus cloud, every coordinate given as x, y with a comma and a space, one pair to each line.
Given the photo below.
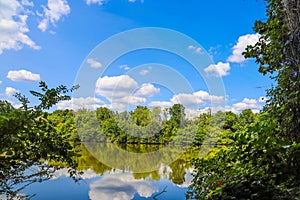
162, 104
23, 75
0, 82
120, 186
239, 48
115, 86
252, 104
192, 113
13, 26
206, 97
99, 2
123, 90
94, 63
220, 69
202, 102
9, 91
53, 12
188, 100
191, 101
90, 103
147, 90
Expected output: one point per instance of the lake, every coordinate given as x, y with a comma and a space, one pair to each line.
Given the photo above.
122, 172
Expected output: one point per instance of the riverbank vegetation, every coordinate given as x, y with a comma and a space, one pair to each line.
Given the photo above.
264, 160
29, 138
255, 156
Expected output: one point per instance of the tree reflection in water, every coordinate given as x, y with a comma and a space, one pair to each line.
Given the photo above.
14, 180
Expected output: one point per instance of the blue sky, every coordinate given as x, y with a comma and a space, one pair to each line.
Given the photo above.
51, 40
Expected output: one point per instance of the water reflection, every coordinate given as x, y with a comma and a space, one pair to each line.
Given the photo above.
122, 186
103, 182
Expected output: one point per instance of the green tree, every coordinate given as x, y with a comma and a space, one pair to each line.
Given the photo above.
156, 114
246, 118
29, 138
64, 122
88, 127
202, 129
264, 161
103, 114
231, 121
141, 116
177, 114
278, 54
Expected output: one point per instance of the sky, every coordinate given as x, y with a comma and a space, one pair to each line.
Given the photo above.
125, 53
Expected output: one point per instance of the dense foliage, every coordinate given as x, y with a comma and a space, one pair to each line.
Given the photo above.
257, 156
145, 126
278, 53
264, 159
29, 137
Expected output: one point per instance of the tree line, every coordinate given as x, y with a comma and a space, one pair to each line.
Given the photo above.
150, 126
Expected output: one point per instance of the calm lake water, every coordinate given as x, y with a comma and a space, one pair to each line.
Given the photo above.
130, 172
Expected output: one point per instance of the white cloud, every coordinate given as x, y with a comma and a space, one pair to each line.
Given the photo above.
115, 86
162, 104
87, 174
192, 113
187, 100
27, 3
23, 75
147, 90
195, 49
90, 103
145, 71
54, 11
125, 67
252, 104
0, 82
124, 90
94, 63
191, 101
239, 48
9, 91
14, 104
116, 106
202, 94
196, 99
99, 2
218, 70
131, 100
206, 97
120, 186
13, 27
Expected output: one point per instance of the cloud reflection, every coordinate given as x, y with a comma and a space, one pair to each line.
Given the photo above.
120, 186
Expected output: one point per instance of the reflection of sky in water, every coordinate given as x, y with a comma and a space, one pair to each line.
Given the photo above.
120, 186
113, 185
87, 174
